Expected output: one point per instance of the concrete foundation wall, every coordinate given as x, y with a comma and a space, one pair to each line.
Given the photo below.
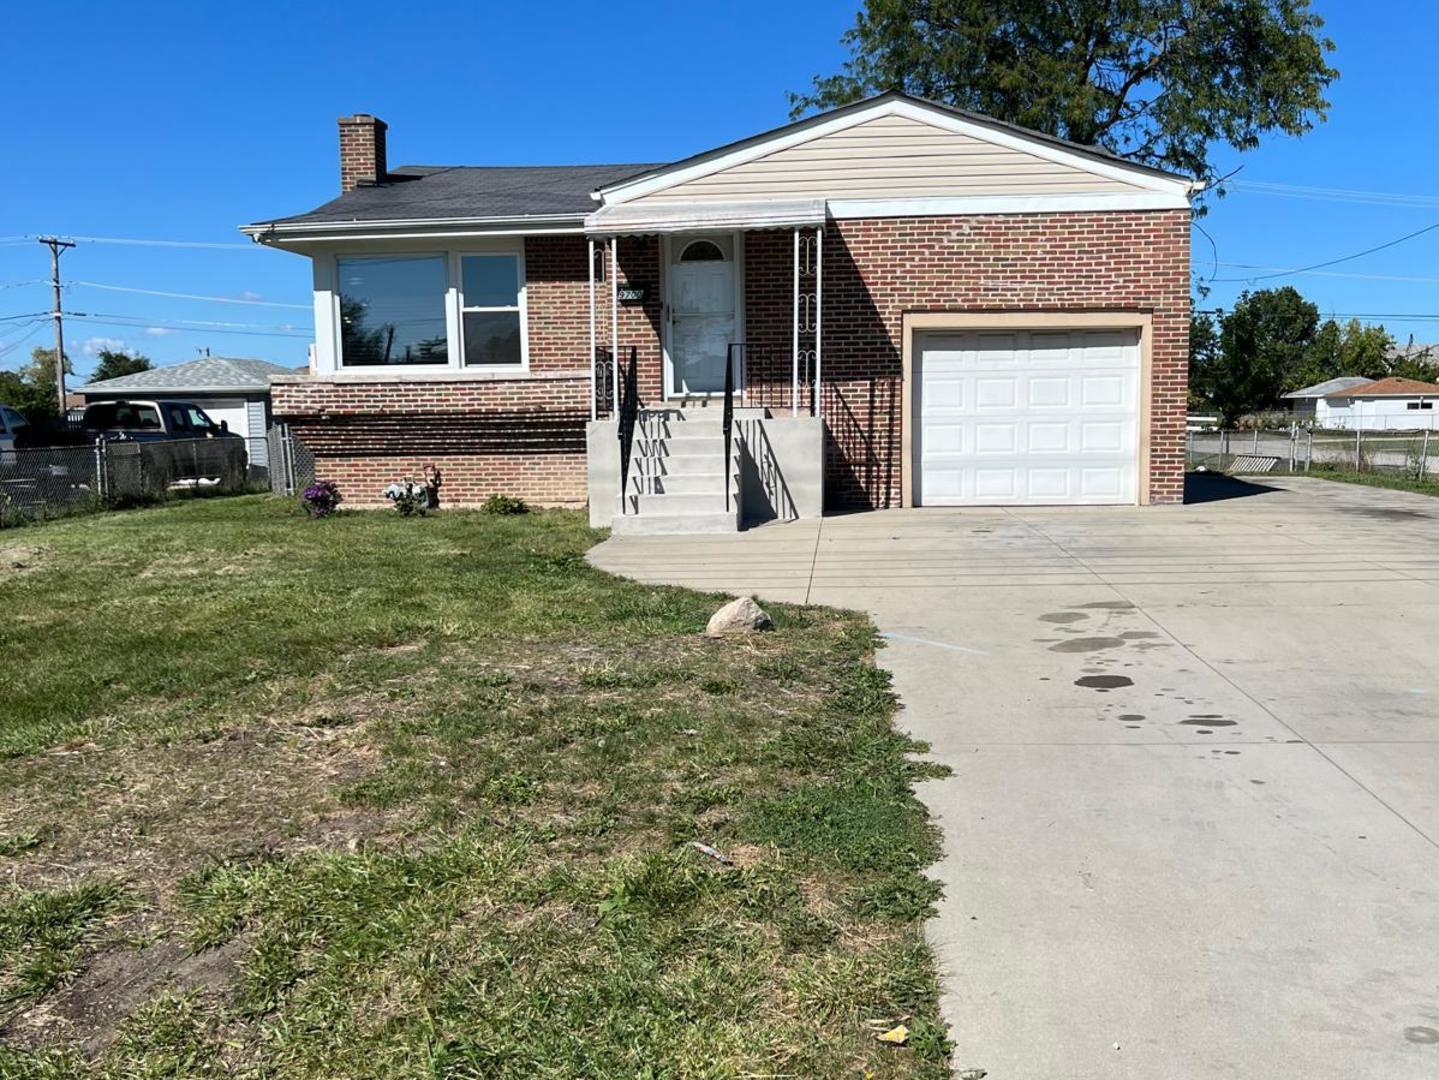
781, 468
602, 455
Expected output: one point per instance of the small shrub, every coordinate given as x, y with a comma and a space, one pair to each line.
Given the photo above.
504, 505
321, 499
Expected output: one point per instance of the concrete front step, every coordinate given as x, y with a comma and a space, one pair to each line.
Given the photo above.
681, 444
675, 464
680, 484
660, 429
658, 524
705, 502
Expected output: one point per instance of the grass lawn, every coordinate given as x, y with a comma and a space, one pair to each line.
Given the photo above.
1428, 486
386, 797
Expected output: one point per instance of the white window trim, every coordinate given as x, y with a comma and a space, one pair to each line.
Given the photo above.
457, 287
454, 312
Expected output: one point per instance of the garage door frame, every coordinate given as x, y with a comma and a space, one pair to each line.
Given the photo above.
917, 322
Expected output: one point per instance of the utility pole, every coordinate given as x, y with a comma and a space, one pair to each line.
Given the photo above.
56, 246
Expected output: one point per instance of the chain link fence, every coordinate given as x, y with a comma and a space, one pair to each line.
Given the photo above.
45, 482
1412, 454
292, 465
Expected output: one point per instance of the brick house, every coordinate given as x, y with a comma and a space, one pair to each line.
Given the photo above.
894, 303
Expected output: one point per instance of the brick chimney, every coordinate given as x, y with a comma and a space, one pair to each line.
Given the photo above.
362, 151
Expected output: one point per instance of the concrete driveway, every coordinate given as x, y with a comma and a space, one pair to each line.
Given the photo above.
1193, 825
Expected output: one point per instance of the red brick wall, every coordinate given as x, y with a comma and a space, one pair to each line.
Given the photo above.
526, 437
875, 270
512, 437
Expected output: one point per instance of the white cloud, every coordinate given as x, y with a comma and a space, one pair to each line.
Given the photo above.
160, 331
248, 295
96, 345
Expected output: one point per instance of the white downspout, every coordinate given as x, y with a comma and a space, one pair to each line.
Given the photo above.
594, 405
794, 341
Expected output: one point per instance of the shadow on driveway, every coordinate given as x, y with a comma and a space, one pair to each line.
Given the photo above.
1215, 487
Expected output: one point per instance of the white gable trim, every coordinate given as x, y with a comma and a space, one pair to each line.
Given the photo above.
1141, 179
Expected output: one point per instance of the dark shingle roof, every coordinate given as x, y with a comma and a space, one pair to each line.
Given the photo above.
468, 192
208, 374
422, 192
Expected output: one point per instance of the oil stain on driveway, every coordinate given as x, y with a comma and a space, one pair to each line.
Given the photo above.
1192, 828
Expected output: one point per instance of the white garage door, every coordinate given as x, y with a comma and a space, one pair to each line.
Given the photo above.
1022, 417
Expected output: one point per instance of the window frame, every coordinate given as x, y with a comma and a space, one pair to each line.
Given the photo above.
454, 307
520, 306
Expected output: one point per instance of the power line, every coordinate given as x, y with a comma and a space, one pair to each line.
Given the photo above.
168, 243
1341, 274
1322, 194
10, 346
286, 327
1341, 259
27, 315
193, 326
189, 296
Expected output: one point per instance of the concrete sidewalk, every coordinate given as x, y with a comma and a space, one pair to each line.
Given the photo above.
1193, 826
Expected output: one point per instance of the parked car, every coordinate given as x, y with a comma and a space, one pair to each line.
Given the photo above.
198, 450
13, 425
131, 419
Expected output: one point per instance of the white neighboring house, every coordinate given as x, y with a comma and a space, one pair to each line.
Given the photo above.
1303, 403
1392, 404
235, 391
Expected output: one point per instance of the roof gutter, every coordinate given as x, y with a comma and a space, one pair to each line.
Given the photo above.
274, 232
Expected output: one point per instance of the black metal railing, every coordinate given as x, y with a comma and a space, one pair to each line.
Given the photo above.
764, 374
629, 413
727, 420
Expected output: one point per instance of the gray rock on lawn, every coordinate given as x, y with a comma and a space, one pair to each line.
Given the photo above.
742, 616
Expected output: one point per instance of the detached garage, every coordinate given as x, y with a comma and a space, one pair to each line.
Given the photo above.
235, 392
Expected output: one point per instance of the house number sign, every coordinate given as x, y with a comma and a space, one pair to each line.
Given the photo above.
632, 294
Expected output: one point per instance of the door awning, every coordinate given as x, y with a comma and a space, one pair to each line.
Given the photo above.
628, 219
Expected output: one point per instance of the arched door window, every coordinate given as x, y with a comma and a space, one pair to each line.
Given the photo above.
701, 251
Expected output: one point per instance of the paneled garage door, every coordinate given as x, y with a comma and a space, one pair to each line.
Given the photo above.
1026, 418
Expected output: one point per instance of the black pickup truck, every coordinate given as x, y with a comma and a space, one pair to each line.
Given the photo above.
197, 450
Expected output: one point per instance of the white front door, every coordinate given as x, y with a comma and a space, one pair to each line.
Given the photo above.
702, 314
1017, 417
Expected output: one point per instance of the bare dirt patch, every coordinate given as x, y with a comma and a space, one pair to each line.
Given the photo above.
20, 559
117, 982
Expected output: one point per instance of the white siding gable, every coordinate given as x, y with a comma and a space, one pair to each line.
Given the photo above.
893, 156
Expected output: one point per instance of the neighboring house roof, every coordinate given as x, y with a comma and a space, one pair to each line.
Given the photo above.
1391, 387
209, 375
1330, 386
479, 196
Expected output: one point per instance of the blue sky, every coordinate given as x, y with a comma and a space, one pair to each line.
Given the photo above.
178, 122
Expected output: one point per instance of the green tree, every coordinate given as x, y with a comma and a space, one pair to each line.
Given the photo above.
1203, 356
113, 363
1156, 81
1262, 344
34, 385
1344, 349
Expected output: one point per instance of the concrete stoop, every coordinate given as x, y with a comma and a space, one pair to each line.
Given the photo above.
676, 481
